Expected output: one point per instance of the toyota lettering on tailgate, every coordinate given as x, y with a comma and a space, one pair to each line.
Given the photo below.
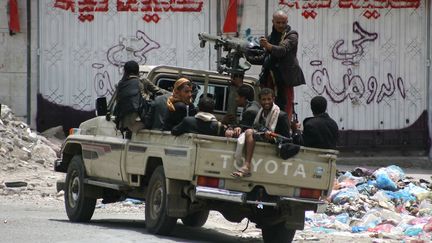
270, 166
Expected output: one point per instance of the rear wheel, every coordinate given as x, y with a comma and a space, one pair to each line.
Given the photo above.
157, 220
79, 207
196, 219
278, 233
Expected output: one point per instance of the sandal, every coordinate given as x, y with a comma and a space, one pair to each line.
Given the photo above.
241, 173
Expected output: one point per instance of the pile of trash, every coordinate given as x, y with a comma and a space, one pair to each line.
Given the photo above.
26, 158
385, 203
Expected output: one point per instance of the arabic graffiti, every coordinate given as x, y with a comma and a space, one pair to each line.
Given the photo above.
102, 81
370, 6
117, 56
352, 58
353, 86
151, 8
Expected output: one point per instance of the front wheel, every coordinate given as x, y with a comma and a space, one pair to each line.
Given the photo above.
79, 207
196, 219
156, 217
277, 233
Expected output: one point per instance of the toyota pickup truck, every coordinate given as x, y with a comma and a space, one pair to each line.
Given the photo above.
184, 177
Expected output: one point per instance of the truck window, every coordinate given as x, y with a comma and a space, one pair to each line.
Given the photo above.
219, 92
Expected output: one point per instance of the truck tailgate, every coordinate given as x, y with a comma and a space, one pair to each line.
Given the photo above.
310, 168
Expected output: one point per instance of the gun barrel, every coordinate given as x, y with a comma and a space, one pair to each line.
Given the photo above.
208, 37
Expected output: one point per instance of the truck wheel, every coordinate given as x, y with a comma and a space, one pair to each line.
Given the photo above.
79, 208
196, 219
156, 218
277, 233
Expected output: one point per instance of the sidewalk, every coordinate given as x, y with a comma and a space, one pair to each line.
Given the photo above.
422, 162
416, 173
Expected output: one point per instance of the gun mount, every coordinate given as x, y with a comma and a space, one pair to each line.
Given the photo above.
234, 62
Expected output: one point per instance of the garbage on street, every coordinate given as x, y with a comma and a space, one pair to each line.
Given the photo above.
384, 203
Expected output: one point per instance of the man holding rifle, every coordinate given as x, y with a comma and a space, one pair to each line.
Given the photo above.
269, 122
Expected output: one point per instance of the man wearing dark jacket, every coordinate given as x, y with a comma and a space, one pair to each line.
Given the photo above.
129, 103
204, 122
320, 131
280, 67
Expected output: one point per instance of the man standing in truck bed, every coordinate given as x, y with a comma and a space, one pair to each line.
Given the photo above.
280, 68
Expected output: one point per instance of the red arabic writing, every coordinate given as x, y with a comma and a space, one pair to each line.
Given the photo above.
87, 8
379, 4
308, 6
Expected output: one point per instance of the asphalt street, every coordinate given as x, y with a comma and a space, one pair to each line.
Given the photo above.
39, 223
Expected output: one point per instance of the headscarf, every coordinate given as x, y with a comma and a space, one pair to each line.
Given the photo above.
175, 97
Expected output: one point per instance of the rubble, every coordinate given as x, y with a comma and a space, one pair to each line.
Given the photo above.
26, 159
384, 203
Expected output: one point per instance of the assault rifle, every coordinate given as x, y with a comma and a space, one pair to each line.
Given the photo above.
234, 62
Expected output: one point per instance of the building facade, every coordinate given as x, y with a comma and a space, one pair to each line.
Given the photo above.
370, 59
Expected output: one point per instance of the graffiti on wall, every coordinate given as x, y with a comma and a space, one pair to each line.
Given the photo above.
118, 55
371, 7
353, 86
351, 58
87, 8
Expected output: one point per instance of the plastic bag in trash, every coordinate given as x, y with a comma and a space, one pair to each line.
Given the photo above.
428, 226
383, 181
402, 195
344, 195
382, 228
413, 231
415, 190
343, 218
395, 173
350, 177
357, 229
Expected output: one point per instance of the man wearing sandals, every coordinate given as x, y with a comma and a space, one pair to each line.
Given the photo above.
269, 120
245, 98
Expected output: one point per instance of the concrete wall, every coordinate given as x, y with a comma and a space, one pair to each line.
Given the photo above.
13, 61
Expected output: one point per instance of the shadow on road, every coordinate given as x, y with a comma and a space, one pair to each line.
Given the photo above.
180, 233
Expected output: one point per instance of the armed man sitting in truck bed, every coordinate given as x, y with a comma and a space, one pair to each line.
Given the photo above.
204, 122
269, 121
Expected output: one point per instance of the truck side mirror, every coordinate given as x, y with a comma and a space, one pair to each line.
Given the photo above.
101, 106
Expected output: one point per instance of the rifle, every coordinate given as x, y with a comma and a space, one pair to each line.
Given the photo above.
278, 138
294, 114
236, 48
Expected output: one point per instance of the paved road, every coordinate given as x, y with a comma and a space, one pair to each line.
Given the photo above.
33, 223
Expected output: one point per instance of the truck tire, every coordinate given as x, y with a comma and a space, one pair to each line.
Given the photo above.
156, 218
277, 233
79, 207
196, 219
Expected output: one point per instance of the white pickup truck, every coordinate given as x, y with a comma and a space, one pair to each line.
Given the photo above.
186, 176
